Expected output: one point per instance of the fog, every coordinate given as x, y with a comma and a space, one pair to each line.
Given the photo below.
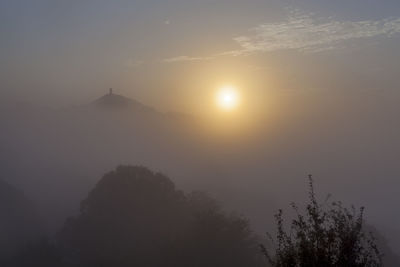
350, 145
318, 90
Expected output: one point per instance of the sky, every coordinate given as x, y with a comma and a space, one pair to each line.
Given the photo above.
173, 54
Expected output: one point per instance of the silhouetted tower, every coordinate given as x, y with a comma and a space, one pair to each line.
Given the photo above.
111, 91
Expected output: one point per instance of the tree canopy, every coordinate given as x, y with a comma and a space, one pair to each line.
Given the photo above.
134, 217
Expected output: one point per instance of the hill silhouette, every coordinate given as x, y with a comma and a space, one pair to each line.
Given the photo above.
115, 102
19, 223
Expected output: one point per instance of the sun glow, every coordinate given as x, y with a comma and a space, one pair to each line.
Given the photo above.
227, 98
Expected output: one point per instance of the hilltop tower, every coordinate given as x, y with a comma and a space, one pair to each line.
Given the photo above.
112, 101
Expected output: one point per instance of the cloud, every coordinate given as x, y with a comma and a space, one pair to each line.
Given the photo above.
185, 58
305, 33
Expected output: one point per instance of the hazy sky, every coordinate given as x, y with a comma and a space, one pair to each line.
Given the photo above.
172, 54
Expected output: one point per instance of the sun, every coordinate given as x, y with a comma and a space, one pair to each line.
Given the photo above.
227, 98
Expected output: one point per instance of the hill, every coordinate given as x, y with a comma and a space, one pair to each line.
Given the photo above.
116, 102
19, 224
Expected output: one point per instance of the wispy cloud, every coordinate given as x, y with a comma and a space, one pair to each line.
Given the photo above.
304, 32
185, 58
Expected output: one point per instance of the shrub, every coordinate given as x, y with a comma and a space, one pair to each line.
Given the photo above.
326, 235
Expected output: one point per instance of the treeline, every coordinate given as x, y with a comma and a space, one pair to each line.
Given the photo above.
135, 217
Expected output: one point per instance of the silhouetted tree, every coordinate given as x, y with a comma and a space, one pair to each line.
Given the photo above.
332, 236
215, 238
134, 217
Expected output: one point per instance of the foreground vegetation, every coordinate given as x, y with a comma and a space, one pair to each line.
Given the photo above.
326, 235
135, 217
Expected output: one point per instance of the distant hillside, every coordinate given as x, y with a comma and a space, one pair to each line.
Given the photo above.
114, 101
57, 154
19, 222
